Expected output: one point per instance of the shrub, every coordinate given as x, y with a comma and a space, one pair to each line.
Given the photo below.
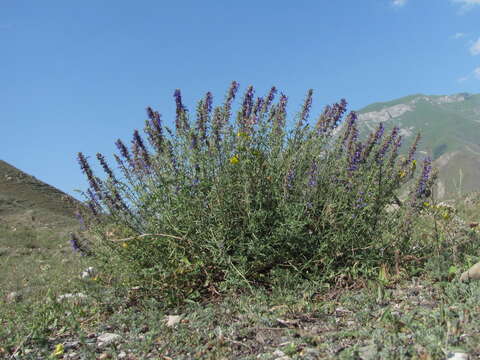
221, 203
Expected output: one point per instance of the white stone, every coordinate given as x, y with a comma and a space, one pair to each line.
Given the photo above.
88, 273
79, 296
471, 274
14, 297
458, 356
172, 320
107, 339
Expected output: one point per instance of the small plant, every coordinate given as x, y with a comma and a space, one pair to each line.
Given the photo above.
218, 204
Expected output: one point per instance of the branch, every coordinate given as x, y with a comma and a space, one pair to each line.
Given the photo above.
143, 235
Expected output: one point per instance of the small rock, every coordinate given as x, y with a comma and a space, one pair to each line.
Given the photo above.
77, 296
172, 320
471, 274
107, 339
368, 352
104, 356
71, 345
278, 354
14, 297
88, 273
458, 356
310, 354
122, 355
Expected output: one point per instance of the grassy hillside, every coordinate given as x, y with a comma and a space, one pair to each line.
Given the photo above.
35, 222
450, 128
27, 200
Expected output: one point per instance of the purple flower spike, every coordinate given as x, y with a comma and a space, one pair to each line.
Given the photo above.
312, 182
355, 157
306, 107
140, 150
387, 143
247, 108
422, 183
232, 92
105, 167
270, 97
86, 169
180, 120
281, 112
124, 151
208, 102
412, 150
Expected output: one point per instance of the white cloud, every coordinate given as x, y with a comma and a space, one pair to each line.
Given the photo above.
476, 73
462, 79
458, 35
467, 4
399, 3
475, 48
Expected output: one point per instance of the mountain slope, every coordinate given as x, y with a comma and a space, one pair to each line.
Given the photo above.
24, 198
450, 128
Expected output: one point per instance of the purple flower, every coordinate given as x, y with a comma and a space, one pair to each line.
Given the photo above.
422, 190
351, 133
386, 144
124, 151
281, 112
270, 97
290, 178
373, 140
312, 182
247, 108
306, 108
355, 157
232, 92
412, 150
207, 104
106, 168
154, 130
181, 119
81, 220
336, 112
93, 181
140, 152
77, 246
93, 202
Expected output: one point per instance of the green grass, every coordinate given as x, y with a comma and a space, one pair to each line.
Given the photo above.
404, 316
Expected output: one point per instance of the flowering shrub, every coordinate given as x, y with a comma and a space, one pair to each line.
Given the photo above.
219, 203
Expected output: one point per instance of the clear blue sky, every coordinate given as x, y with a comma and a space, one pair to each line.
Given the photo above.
75, 76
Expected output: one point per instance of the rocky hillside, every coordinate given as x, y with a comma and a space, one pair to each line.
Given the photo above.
450, 128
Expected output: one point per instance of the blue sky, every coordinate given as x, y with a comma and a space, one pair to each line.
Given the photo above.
75, 76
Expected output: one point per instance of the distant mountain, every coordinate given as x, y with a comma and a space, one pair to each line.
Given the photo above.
450, 128
27, 200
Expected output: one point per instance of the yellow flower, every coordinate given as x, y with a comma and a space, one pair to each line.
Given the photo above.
234, 159
242, 134
59, 350
124, 245
426, 204
402, 173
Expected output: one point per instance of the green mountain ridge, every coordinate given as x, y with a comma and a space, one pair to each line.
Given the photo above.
450, 129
